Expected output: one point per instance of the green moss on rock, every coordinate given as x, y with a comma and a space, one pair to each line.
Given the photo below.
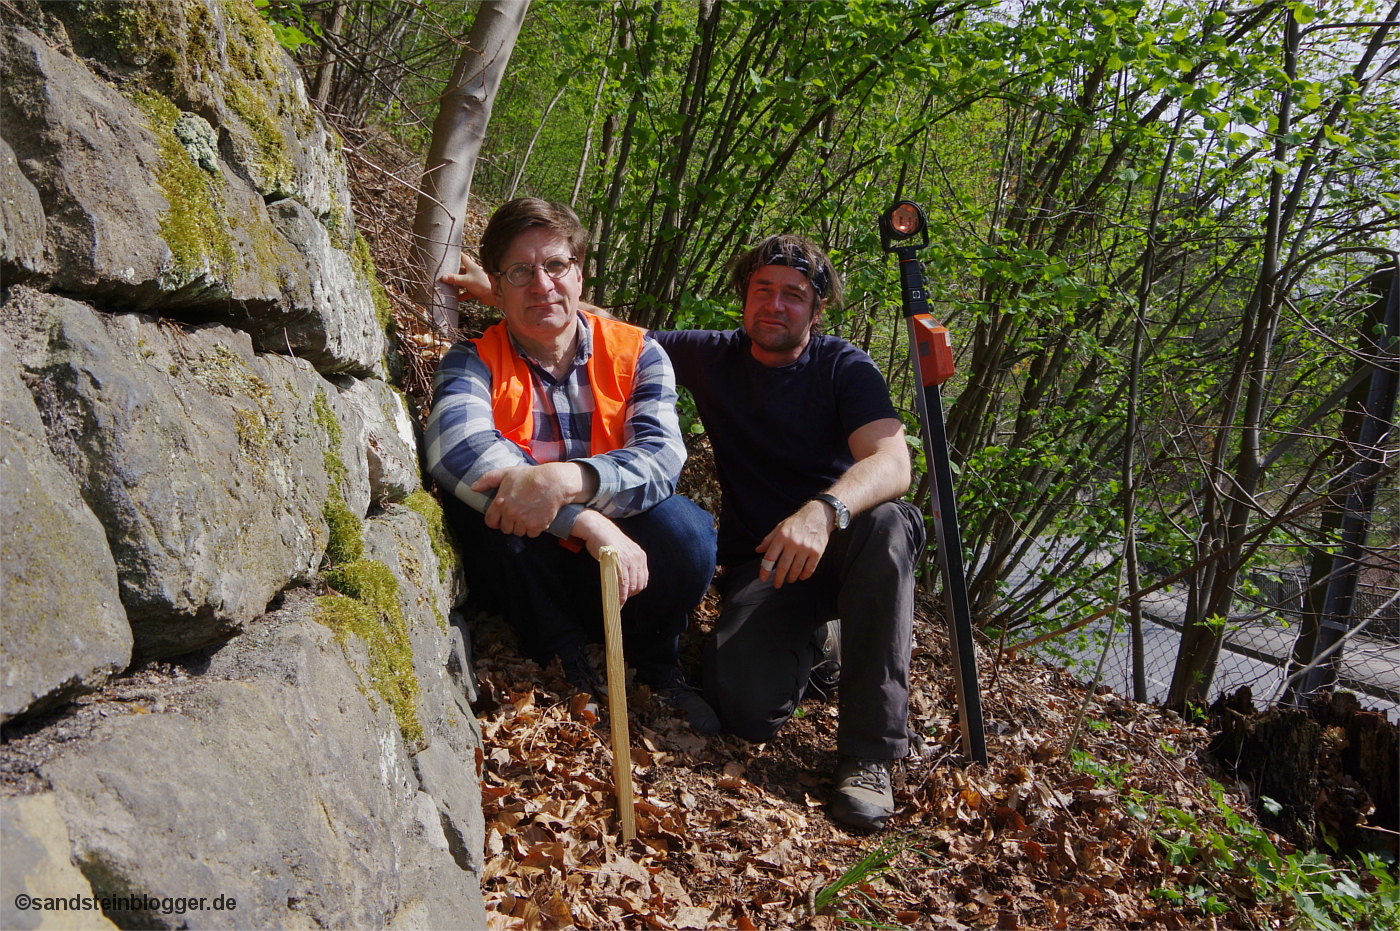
194, 227
369, 275
385, 636
252, 46
369, 581
439, 534
275, 171
347, 534
135, 34
224, 373
325, 418
254, 438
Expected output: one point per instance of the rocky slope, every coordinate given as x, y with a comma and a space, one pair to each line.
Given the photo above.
228, 669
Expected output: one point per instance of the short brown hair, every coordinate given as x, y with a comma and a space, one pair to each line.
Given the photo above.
515, 217
795, 251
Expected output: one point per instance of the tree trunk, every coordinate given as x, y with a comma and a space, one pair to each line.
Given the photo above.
525, 159
326, 70
458, 132
602, 250
592, 121
1132, 432
595, 264
660, 273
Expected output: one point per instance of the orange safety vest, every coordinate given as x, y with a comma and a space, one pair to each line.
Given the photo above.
612, 370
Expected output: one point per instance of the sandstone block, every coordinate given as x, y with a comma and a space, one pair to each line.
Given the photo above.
35, 863
326, 310
94, 164
21, 222
205, 462
62, 626
294, 793
446, 768
141, 214
389, 439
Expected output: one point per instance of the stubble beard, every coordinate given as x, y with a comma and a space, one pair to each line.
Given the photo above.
778, 341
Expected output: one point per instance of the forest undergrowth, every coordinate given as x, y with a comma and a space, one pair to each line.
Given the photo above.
1127, 830
1132, 827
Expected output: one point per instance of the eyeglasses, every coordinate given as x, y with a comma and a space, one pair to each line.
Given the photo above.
556, 267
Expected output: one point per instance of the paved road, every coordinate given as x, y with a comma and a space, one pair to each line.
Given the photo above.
1160, 643
1254, 654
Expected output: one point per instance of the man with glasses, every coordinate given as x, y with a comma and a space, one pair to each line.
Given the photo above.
567, 422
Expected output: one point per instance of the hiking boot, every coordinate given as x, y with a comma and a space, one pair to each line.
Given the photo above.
864, 797
686, 699
826, 671
579, 673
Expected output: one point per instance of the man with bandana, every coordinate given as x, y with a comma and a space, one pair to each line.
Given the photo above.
812, 464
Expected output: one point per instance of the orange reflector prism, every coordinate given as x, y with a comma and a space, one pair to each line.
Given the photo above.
935, 350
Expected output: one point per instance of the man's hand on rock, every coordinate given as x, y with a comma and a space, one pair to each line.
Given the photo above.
596, 531
792, 549
528, 497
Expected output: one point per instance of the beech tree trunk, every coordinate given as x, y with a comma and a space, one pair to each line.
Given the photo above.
458, 132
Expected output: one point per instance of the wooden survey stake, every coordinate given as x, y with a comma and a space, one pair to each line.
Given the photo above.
617, 693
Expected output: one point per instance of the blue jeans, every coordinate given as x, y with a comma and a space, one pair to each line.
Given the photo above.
552, 596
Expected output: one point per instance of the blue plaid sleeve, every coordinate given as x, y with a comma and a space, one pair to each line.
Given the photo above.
463, 443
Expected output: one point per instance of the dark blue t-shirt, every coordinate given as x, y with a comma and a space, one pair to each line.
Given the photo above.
780, 435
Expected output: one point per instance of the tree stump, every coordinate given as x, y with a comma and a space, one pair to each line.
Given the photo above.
1332, 768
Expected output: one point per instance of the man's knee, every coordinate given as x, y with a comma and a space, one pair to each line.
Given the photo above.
895, 526
679, 532
751, 694
687, 523
744, 715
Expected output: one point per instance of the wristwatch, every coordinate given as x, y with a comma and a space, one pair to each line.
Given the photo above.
843, 513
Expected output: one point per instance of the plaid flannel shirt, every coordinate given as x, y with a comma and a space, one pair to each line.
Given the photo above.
463, 443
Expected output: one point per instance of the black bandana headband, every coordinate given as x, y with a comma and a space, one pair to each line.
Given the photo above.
796, 260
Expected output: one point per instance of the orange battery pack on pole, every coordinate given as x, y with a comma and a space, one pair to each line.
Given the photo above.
935, 350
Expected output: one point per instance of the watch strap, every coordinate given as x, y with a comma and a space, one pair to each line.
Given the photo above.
843, 513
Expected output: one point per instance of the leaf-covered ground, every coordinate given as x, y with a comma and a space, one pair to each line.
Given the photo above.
735, 835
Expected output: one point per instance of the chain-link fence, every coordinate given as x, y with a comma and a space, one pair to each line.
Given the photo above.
1255, 650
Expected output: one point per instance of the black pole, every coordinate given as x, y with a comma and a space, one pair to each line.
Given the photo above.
943, 505
1377, 424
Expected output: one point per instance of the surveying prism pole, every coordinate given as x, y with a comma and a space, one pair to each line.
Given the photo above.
931, 353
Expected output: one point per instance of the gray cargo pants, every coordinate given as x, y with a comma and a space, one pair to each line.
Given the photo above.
762, 650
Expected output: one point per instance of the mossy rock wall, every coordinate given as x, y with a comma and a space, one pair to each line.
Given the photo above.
199, 444
65, 630
161, 196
